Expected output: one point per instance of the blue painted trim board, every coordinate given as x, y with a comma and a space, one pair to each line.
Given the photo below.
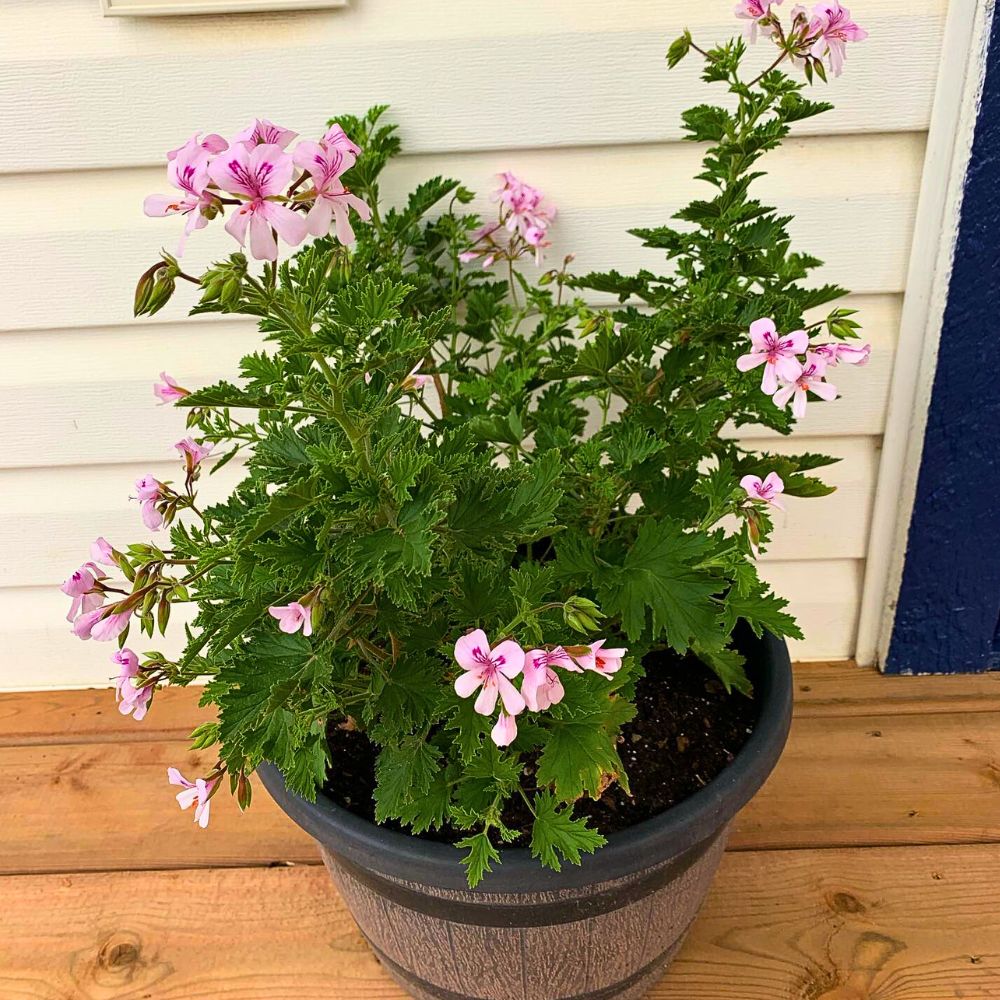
948, 610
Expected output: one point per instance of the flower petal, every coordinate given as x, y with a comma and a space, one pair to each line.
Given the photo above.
472, 650
509, 658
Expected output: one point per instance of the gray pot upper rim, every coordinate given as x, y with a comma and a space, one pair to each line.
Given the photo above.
657, 840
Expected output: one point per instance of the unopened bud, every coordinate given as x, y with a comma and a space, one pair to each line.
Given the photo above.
244, 792
581, 614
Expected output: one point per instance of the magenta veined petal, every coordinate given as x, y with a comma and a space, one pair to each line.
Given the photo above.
509, 658
472, 649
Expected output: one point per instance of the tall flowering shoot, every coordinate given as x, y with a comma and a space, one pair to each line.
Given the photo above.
473, 509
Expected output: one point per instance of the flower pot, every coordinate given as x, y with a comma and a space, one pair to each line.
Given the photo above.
606, 929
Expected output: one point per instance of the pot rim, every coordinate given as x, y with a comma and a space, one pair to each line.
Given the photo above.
660, 839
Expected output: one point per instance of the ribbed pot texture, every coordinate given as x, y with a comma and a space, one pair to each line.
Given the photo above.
606, 929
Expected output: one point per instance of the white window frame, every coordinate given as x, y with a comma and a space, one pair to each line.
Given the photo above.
161, 8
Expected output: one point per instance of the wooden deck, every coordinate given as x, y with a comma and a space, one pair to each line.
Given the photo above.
867, 869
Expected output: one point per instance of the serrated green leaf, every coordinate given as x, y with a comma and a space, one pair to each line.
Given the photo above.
557, 837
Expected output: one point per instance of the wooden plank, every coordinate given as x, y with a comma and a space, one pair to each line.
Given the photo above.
35, 504
907, 924
594, 75
900, 923
843, 688
49, 718
843, 782
122, 813
880, 780
95, 240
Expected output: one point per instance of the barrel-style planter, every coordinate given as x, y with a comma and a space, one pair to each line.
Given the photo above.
606, 929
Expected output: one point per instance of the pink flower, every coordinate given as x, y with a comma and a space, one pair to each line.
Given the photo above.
192, 452
852, 355
527, 211
261, 132
199, 792
809, 380
336, 138
132, 700
292, 617
101, 624
766, 490
169, 391
831, 28
212, 144
541, 687
110, 626
491, 669
776, 353
414, 380
325, 163
754, 11
602, 661
102, 552
149, 491
505, 731
148, 488
79, 586
188, 172
258, 174
84, 625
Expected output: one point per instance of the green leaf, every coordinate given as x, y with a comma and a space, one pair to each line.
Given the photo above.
282, 505
659, 576
579, 756
557, 837
728, 666
403, 774
760, 611
482, 855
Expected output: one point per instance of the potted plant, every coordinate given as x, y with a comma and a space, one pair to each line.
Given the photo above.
486, 601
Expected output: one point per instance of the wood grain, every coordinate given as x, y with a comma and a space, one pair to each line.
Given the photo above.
890, 779
841, 687
916, 923
843, 781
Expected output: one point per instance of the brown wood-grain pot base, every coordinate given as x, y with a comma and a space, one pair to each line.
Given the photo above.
471, 959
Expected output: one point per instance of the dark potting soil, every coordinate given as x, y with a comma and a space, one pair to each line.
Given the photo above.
686, 731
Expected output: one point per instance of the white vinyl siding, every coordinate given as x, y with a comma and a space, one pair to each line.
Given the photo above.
572, 94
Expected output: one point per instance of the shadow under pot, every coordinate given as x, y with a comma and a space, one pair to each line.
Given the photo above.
604, 930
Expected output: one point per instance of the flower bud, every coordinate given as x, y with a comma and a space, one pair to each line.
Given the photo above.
163, 288
581, 614
244, 792
144, 288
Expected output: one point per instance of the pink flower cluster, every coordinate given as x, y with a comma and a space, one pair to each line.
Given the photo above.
491, 671
786, 378
255, 175
522, 226
824, 34
85, 587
